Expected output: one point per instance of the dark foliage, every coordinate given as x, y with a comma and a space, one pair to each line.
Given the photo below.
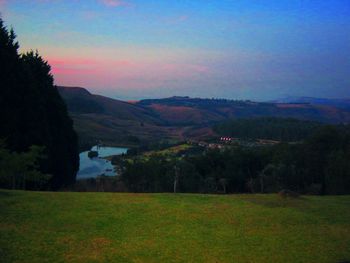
283, 129
82, 105
20, 170
320, 165
33, 113
92, 154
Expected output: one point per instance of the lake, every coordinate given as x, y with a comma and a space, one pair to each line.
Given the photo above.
93, 167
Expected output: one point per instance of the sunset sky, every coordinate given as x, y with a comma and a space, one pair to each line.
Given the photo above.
132, 49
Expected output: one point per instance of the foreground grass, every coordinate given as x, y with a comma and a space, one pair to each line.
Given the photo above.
106, 227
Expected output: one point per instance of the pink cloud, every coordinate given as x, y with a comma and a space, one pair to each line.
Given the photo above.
2, 4
109, 72
114, 3
56, 71
61, 61
69, 66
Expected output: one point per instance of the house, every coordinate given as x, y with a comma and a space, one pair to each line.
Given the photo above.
227, 139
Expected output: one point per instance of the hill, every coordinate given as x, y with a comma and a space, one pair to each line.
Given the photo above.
79, 100
270, 128
176, 110
99, 118
339, 103
108, 227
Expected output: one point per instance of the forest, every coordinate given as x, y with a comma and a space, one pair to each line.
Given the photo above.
272, 128
318, 165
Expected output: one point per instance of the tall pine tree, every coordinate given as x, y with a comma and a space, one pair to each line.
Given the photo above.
33, 113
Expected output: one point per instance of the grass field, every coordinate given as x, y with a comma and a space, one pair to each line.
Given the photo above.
107, 227
170, 150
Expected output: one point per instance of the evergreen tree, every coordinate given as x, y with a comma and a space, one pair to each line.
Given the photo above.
33, 113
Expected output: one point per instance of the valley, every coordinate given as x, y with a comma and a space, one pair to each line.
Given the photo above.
119, 123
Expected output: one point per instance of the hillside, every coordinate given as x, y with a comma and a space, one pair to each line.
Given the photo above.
108, 227
117, 122
339, 103
111, 121
79, 100
176, 110
271, 128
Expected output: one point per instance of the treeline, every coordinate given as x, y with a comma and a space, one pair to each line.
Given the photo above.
320, 165
32, 113
282, 129
195, 102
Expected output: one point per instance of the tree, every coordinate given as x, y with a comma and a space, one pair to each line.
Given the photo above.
33, 113
20, 170
337, 174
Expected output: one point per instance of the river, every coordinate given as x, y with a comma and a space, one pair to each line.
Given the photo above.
93, 167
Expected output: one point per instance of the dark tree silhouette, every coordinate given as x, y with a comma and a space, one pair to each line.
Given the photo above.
33, 113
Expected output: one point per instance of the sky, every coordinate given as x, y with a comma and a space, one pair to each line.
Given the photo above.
238, 49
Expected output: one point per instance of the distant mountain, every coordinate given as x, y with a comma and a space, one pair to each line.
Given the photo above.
339, 103
113, 121
185, 110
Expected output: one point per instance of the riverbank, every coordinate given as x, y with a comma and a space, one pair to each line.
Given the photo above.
92, 167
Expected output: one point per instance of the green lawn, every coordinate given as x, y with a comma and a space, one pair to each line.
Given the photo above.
108, 227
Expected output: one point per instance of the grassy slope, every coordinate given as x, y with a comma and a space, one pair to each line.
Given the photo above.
170, 150
104, 227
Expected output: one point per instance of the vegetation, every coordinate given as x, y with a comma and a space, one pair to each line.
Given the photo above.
180, 148
106, 227
281, 129
33, 113
93, 154
317, 166
20, 170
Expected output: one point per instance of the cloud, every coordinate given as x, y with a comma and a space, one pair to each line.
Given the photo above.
114, 3
2, 4
86, 65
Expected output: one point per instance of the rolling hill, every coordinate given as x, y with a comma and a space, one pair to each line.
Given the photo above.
122, 123
338, 103
184, 110
99, 118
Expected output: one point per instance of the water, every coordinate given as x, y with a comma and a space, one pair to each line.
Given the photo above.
93, 167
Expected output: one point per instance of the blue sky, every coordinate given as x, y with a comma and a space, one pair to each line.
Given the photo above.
134, 49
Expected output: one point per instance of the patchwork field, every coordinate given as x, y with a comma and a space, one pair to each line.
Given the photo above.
108, 227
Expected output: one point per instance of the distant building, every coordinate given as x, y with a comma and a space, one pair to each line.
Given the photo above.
227, 139
203, 144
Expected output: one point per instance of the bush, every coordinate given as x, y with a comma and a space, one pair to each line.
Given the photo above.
92, 154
